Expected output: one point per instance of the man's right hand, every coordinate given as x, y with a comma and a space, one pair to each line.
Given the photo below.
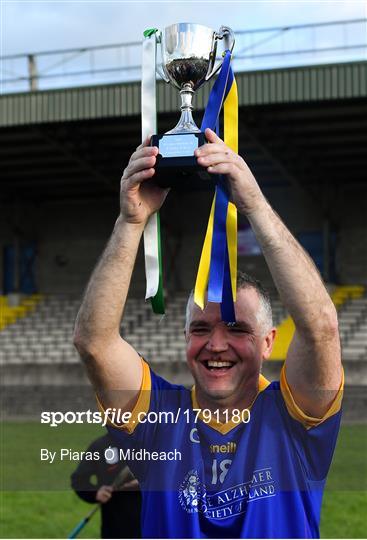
140, 197
104, 494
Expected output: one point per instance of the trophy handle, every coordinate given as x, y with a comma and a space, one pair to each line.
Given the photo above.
159, 67
227, 35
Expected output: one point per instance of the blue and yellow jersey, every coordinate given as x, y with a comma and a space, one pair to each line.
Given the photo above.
262, 478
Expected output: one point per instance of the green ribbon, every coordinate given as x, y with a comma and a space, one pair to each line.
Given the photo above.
150, 31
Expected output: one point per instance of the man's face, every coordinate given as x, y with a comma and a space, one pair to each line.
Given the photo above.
223, 358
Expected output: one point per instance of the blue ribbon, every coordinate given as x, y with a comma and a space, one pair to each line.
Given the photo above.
217, 95
219, 286
227, 307
219, 245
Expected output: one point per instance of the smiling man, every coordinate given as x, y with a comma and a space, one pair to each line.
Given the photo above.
225, 359
252, 456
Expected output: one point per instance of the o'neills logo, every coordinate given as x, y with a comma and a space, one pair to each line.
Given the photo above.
229, 502
228, 448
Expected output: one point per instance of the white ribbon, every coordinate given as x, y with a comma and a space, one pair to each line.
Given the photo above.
148, 128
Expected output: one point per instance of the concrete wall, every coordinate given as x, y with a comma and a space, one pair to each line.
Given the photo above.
352, 248
27, 390
69, 239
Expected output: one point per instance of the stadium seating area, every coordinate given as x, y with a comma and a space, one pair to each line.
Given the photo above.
42, 333
41, 370
353, 328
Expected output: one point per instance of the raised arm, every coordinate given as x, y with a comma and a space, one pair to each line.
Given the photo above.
113, 366
313, 365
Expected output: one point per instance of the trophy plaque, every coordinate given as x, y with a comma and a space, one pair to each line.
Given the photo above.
188, 60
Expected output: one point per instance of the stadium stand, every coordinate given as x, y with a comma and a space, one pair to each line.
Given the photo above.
45, 335
40, 331
9, 313
40, 366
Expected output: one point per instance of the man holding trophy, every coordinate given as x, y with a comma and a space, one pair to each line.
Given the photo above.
253, 455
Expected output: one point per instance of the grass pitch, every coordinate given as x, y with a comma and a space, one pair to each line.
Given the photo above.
37, 502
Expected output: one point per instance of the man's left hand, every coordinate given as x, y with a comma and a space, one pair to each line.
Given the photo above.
218, 158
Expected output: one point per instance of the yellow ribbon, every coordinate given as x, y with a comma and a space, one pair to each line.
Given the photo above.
202, 277
231, 140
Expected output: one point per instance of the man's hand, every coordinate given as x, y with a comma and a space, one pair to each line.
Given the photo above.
220, 159
140, 196
104, 494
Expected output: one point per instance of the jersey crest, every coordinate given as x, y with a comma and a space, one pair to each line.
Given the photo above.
191, 492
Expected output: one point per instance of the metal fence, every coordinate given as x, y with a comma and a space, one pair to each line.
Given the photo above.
264, 48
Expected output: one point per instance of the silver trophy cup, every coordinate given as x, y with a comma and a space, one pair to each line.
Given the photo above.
188, 60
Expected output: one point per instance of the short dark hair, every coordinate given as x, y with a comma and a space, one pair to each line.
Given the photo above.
244, 280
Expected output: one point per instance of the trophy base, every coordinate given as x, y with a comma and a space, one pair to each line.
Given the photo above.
176, 166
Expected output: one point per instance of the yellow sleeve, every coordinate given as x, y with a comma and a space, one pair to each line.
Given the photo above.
296, 413
141, 406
